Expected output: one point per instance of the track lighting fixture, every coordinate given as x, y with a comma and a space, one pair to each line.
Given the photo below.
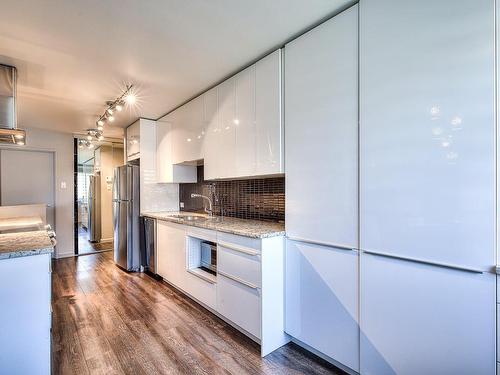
126, 98
117, 105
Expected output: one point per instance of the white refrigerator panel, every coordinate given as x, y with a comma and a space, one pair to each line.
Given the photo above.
427, 130
422, 319
322, 300
321, 133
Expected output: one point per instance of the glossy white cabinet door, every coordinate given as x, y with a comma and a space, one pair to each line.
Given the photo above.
25, 315
244, 123
421, 319
164, 161
240, 304
187, 131
166, 171
171, 248
427, 130
210, 143
133, 141
321, 132
226, 134
268, 122
322, 300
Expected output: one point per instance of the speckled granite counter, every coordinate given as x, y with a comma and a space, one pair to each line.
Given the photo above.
241, 227
13, 245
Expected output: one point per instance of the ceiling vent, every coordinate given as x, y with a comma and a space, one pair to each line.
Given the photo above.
9, 133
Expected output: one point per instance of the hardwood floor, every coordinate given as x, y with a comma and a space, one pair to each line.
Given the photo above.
107, 321
87, 247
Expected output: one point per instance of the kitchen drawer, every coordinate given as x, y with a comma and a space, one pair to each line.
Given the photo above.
253, 243
240, 303
242, 262
201, 289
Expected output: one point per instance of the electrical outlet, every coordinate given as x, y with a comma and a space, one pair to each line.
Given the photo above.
181, 204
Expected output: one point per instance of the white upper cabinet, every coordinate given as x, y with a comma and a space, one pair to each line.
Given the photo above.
427, 133
167, 171
133, 138
321, 137
244, 123
235, 128
209, 138
187, 131
226, 133
268, 121
244, 138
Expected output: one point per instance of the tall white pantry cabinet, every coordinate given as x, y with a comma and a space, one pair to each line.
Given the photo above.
408, 285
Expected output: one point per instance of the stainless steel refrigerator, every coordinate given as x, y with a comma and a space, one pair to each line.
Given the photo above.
94, 208
126, 217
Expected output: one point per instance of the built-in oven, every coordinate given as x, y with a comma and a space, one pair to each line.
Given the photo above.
209, 257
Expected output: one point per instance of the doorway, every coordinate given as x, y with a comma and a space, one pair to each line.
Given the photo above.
93, 195
27, 177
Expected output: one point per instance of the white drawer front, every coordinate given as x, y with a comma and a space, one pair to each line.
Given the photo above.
203, 290
243, 263
239, 303
254, 243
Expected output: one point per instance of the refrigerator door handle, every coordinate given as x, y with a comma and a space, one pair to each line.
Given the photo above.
320, 243
422, 261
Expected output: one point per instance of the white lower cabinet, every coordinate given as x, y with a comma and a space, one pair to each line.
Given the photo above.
322, 300
424, 319
171, 250
239, 302
248, 290
25, 314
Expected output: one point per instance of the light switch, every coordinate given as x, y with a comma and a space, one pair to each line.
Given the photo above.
63, 184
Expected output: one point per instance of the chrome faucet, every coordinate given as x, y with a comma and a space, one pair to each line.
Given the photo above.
208, 210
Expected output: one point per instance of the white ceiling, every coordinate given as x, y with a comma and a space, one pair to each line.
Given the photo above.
72, 56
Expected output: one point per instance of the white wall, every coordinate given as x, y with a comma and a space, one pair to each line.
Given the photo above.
62, 146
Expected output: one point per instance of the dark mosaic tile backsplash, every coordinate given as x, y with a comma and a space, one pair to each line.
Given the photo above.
259, 199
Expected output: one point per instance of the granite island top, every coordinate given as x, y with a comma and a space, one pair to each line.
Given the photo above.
14, 245
241, 227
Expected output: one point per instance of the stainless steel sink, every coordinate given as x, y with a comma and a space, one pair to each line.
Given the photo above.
189, 217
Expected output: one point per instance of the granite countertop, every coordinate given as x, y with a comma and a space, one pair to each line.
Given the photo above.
14, 245
241, 227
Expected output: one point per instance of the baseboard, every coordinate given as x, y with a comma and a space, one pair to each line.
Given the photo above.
324, 356
64, 255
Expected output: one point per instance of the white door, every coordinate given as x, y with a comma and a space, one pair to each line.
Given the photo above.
27, 177
427, 130
322, 300
422, 319
321, 133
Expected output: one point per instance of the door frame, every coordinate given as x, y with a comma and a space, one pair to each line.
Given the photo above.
54, 177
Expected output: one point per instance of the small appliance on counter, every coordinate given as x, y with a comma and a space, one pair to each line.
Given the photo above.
126, 211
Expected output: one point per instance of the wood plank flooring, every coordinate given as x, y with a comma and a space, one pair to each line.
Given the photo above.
107, 321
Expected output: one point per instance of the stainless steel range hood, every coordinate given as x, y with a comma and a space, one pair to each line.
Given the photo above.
9, 133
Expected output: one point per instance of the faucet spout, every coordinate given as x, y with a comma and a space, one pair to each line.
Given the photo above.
208, 210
